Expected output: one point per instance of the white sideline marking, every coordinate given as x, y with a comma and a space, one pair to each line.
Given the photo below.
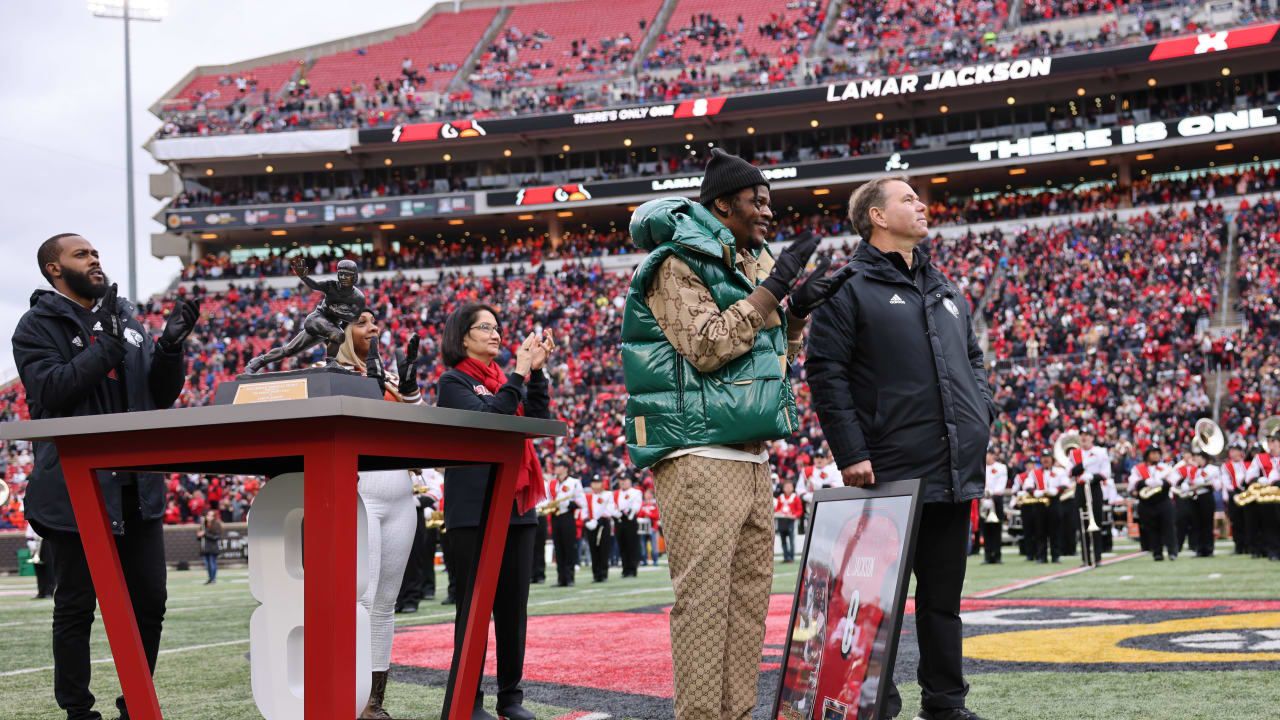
26, 671
1125, 577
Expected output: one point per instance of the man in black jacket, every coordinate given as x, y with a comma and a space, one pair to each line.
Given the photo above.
898, 383
80, 351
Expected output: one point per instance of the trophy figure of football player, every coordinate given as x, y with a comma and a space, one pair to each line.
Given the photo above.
342, 304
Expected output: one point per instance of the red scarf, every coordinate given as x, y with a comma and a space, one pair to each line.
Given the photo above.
530, 488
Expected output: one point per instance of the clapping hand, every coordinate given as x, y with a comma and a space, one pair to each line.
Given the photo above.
789, 264
182, 320
373, 367
818, 287
408, 368
525, 355
542, 350
108, 314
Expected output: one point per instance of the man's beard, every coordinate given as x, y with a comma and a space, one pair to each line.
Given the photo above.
82, 285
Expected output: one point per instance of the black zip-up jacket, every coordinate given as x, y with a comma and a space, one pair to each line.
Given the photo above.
464, 487
897, 378
64, 368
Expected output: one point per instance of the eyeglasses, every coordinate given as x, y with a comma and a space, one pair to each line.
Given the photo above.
487, 329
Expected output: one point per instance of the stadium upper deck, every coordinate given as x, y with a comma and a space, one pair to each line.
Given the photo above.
981, 125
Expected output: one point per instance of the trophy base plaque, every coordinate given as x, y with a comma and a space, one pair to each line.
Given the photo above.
295, 385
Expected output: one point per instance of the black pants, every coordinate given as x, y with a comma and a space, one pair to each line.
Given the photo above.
415, 571
787, 533
629, 545
1053, 528
940, 562
564, 537
141, 552
1235, 514
510, 604
1267, 531
539, 568
599, 542
44, 570
1068, 524
1035, 523
992, 533
1183, 523
1157, 521
1202, 523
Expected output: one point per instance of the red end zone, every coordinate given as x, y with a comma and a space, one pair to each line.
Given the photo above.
564, 649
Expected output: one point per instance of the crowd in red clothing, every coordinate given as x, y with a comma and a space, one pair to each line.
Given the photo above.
1115, 309
1107, 285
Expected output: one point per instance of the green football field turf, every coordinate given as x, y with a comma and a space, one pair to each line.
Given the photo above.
203, 671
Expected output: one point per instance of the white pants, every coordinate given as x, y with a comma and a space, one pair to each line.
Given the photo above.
389, 504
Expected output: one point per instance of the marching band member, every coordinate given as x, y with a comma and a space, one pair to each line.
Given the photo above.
1097, 467
1040, 485
1183, 522
649, 541
1150, 481
1202, 482
1269, 525
1256, 515
569, 498
628, 500
996, 482
597, 525
787, 509
1233, 472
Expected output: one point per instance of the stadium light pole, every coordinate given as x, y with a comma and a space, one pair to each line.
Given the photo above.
126, 10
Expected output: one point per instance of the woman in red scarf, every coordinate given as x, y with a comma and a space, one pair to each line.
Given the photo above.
471, 344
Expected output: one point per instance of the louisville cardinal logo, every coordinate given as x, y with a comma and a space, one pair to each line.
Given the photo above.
552, 194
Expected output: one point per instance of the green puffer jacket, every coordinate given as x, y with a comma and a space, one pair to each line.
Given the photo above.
671, 404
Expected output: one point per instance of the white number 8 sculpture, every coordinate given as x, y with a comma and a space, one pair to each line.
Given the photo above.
275, 579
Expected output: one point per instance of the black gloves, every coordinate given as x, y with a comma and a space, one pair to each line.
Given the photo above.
373, 367
109, 327
108, 314
786, 269
427, 501
182, 320
1077, 471
409, 368
818, 287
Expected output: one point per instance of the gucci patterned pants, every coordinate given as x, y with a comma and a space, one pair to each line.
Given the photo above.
717, 516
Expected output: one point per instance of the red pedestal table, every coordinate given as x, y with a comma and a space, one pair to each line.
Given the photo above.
329, 439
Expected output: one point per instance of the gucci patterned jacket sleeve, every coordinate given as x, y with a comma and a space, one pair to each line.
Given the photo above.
700, 331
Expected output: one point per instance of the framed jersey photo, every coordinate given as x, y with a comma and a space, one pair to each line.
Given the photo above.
849, 602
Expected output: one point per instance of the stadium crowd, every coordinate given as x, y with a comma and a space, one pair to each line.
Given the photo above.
717, 55
1074, 343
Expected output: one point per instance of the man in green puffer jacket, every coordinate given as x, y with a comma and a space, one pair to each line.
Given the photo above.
706, 350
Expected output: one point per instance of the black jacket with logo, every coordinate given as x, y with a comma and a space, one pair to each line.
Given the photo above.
897, 377
465, 487
65, 370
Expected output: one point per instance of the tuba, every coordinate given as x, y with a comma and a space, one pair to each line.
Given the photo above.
4, 492
1269, 427
1210, 439
1062, 448
435, 520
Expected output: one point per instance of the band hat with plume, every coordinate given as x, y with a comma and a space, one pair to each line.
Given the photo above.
727, 174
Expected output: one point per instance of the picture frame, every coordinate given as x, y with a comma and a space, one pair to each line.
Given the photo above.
850, 599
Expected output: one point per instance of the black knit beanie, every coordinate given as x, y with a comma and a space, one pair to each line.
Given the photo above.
727, 174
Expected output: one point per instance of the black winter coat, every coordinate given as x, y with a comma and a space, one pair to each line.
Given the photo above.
897, 378
465, 487
65, 373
